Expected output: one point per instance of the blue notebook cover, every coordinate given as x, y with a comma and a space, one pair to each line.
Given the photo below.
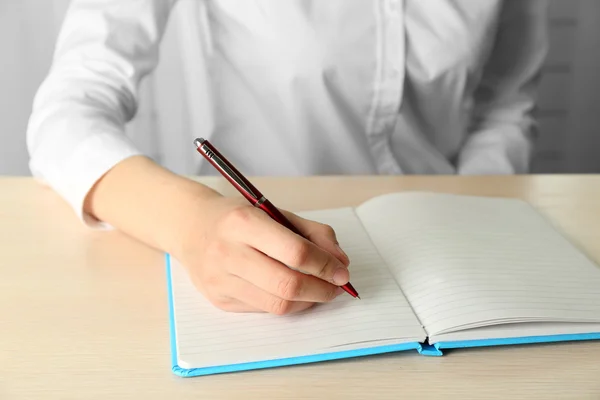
422, 348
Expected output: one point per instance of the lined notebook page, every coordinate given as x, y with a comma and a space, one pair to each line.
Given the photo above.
518, 330
466, 262
207, 336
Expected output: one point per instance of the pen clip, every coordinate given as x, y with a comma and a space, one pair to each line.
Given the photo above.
228, 170
234, 176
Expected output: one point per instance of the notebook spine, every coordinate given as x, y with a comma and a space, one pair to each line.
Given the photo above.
430, 350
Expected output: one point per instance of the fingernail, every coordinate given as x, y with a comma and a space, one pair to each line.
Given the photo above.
341, 276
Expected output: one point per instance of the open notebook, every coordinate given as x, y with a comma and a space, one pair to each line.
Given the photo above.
434, 271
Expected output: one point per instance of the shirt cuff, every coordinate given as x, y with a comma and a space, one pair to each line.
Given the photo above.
495, 151
74, 176
486, 162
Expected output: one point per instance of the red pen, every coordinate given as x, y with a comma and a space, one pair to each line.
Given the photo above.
248, 190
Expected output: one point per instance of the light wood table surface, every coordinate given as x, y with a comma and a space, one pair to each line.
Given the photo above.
83, 314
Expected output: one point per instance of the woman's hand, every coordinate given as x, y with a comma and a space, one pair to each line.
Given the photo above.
235, 254
238, 257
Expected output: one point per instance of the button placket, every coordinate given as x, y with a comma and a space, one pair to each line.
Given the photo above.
389, 88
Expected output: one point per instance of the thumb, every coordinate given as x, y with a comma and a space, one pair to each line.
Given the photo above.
320, 234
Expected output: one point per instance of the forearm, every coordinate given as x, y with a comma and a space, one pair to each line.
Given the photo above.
76, 132
147, 202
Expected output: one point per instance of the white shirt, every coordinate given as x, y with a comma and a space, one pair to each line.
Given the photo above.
305, 87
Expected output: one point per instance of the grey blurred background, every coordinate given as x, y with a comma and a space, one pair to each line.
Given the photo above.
569, 99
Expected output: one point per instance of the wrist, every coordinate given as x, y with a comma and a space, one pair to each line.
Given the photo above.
184, 214
148, 202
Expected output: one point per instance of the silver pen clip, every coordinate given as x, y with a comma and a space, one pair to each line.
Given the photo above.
211, 155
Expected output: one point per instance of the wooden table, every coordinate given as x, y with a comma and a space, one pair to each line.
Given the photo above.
83, 315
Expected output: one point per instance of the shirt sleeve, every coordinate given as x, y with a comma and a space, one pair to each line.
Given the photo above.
76, 130
503, 127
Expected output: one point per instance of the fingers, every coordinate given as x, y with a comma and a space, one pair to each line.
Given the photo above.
250, 299
233, 305
320, 234
271, 238
256, 298
278, 280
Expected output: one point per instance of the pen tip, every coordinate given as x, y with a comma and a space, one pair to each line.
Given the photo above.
358, 297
